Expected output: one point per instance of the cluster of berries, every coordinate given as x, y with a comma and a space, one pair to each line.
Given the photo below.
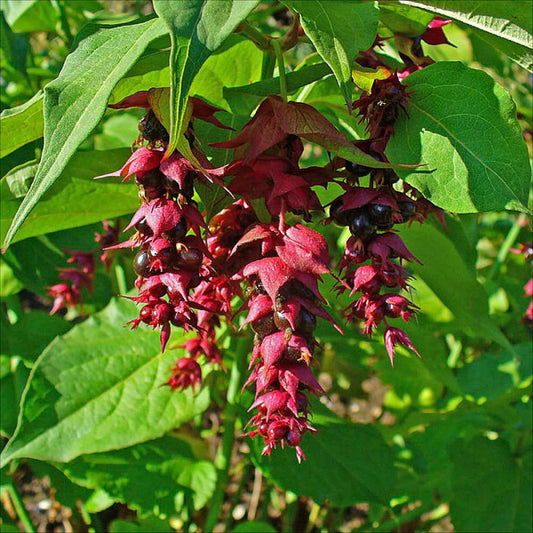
188, 282
80, 275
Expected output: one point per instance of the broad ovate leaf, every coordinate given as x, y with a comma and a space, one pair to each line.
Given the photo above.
98, 388
467, 135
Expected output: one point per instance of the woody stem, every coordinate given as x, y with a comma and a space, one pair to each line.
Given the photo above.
225, 452
281, 68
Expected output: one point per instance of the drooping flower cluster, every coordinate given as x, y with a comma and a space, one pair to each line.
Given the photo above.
68, 293
186, 282
176, 281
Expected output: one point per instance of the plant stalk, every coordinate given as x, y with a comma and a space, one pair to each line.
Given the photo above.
506, 245
18, 505
276, 46
223, 459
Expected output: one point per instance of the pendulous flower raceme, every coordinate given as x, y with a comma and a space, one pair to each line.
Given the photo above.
190, 272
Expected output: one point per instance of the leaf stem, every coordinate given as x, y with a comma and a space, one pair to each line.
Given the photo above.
281, 68
261, 41
120, 276
18, 505
223, 458
506, 245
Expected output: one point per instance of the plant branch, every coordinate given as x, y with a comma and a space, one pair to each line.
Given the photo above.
260, 40
18, 505
506, 245
281, 68
223, 459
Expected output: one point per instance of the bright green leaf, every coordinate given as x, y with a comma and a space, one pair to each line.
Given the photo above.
76, 199
444, 270
197, 29
76, 100
253, 527
339, 29
502, 25
21, 125
98, 388
30, 15
467, 134
167, 464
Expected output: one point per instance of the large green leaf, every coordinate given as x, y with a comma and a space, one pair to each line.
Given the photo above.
21, 125
490, 491
76, 100
197, 29
447, 274
345, 463
30, 15
167, 466
468, 135
502, 25
339, 29
98, 388
76, 199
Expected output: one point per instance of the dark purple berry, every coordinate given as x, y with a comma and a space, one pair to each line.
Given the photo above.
263, 326
380, 215
341, 218
357, 170
143, 227
306, 323
190, 259
361, 226
407, 210
178, 232
151, 129
152, 179
141, 263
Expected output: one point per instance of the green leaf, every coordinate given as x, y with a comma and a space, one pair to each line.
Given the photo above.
98, 388
345, 463
444, 270
11, 386
21, 124
154, 525
30, 15
468, 135
296, 79
503, 26
197, 29
31, 334
490, 492
404, 19
76, 199
254, 527
339, 30
167, 465
76, 100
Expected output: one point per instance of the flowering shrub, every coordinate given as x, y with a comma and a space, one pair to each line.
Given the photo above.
318, 202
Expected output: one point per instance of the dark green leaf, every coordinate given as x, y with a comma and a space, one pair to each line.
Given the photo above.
98, 388
339, 29
21, 125
30, 15
76, 100
168, 465
504, 26
154, 525
11, 386
197, 29
468, 135
346, 463
76, 199
490, 492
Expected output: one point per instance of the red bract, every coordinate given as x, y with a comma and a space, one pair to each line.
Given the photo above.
185, 373
434, 34
395, 336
